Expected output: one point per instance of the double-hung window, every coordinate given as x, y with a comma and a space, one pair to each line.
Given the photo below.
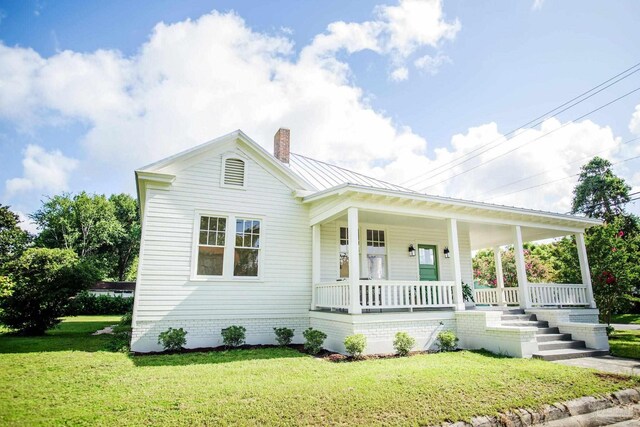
344, 252
376, 254
211, 243
247, 248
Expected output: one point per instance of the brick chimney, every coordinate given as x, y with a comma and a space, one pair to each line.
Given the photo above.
281, 145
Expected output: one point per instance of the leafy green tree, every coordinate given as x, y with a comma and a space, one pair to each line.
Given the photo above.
123, 251
537, 270
38, 287
599, 192
13, 239
83, 223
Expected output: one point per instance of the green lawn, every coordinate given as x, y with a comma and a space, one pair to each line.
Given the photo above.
65, 379
625, 344
626, 319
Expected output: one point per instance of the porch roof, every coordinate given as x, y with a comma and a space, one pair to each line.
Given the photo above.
488, 223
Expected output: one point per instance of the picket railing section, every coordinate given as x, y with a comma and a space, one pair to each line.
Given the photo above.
386, 294
555, 294
491, 296
390, 294
332, 295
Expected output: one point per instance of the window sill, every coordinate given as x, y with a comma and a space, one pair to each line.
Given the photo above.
227, 279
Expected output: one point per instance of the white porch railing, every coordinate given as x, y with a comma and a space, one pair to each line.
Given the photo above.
382, 294
491, 296
558, 294
332, 295
392, 294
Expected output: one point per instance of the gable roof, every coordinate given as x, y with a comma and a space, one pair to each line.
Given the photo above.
325, 175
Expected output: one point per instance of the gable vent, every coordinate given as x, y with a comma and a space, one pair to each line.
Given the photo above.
234, 172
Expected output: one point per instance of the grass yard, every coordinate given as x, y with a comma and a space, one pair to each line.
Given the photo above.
633, 319
65, 379
625, 344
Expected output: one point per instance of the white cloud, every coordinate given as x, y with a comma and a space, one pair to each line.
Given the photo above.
195, 80
399, 74
42, 170
431, 64
537, 4
634, 124
26, 223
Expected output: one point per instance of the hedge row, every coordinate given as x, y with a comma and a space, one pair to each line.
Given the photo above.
88, 304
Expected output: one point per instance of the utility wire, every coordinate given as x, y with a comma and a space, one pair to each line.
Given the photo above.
543, 116
556, 180
550, 169
533, 140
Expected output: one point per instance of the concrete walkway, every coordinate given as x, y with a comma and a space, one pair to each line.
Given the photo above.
625, 327
615, 365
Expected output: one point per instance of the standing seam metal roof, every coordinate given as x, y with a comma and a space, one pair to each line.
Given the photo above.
324, 175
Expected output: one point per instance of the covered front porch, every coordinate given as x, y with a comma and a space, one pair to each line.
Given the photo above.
415, 255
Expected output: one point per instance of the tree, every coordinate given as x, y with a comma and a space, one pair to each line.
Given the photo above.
537, 269
13, 239
126, 242
84, 223
38, 287
599, 192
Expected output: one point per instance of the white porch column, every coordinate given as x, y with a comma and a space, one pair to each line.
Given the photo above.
454, 250
499, 275
523, 284
584, 268
354, 261
315, 262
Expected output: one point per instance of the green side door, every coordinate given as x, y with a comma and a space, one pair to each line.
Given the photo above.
428, 262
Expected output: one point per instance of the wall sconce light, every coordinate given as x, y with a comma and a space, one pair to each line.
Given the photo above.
446, 252
412, 250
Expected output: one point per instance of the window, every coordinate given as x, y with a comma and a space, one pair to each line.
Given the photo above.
234, 173
211, 242
344, 252
247, 248
376, 254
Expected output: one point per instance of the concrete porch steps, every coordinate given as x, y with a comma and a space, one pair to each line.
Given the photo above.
552, 345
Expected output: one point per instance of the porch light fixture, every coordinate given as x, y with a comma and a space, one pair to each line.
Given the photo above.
412, 250
446, 252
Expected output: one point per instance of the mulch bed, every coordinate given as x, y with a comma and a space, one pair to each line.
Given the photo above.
327, 355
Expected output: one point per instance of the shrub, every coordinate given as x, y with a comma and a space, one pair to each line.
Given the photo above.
403, 343
87, 304
173, 339
610, 330
447, 341
38, 287
283, 335
313, 340
467, 293
233, 336
355, 345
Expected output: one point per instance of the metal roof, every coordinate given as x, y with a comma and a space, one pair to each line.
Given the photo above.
324, 175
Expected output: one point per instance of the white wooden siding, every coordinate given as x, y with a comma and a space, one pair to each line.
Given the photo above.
400, 265
165, 290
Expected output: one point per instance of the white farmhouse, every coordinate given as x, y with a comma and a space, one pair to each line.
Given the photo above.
235, 236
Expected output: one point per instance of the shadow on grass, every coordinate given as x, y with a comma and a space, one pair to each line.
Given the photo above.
216, 357
68, 336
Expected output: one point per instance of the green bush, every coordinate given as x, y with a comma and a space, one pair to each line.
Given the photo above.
173, 339
447, 341
403, 343
38, 287
313, 340
355, 345
87, 304
233, 336
283, 335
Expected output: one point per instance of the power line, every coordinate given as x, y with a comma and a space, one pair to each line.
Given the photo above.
547, 170
533, 140
555, 180
431, 172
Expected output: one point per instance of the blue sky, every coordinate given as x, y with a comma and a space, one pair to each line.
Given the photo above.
93, 89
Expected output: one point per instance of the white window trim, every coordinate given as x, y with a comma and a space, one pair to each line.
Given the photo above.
223, 165
362, 243
229, 248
